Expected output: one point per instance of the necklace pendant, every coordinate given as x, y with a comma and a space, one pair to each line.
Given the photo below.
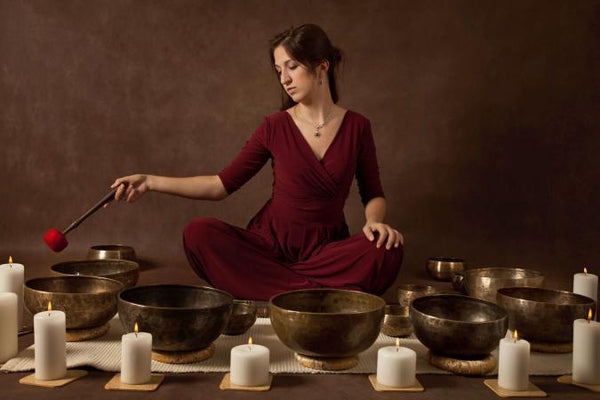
317, 133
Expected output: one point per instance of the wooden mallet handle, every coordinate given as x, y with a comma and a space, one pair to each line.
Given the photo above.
109, 197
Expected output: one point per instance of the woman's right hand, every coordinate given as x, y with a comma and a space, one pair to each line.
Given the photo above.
132, 187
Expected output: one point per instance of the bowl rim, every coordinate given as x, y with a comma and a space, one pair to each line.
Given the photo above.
174, 285
72, 277
538, 289
456, 321
98, 247
378, 298
130, 264
446, 260
425, 287
476, 270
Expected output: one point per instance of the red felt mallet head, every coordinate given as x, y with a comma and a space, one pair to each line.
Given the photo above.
55, 240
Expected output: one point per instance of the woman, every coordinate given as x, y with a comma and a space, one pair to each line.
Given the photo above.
299, 239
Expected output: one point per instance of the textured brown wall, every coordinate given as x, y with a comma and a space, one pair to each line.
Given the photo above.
486, 116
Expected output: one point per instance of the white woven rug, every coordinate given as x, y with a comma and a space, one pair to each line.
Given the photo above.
105, 354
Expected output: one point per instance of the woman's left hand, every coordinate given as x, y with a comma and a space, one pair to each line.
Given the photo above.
388, 235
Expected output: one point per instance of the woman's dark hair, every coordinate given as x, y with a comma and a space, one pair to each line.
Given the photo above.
309, 45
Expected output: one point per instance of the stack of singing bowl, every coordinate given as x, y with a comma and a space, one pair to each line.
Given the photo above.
89, 302
458, 327
544, 316
483, 282
327, 323
181, 318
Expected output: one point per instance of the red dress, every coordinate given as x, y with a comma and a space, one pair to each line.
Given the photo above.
299, 239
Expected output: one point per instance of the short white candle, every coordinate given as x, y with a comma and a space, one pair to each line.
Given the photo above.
136, 357
49, 331
396, 366
586, 284
249, 365
12, 276
586, 351
9, 342
513, 363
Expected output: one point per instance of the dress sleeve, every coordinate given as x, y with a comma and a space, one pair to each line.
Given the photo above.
367, 170
248, 161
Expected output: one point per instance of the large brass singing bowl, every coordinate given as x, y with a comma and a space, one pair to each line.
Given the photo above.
458, 326
124, 271
327, 322
544, 315
484, 282
179, 317
86, 300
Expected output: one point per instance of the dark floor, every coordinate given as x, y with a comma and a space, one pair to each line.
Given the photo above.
172, 268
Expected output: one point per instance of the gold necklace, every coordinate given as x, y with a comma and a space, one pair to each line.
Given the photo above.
317, 126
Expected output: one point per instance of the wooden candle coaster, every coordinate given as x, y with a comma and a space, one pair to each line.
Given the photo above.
327, 364
183, 357
72, 375
227, 385
568, 379
559, 348
417, 387
79, 335
116, 384
463, 367
532, 390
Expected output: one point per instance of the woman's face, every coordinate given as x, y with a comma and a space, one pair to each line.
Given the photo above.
296, 79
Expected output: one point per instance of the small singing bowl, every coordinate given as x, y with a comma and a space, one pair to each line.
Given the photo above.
88, 301
330, 323
458, 326
125, 271
179, 317
444, 268
396, 322
409, 291
544, 315
111, 251
243, 316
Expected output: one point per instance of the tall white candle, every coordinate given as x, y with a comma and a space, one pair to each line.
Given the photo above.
11, 280
586, 284
136, 357
9, 342
49, 331
396, 366
513, 363
586, 351
249, 365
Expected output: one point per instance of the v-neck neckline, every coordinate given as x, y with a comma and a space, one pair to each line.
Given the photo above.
299, 132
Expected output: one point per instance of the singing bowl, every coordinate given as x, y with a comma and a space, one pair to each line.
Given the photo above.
543, 315
483, 282
88, 301
125, 271
444, 268
327, 322
179, 317
243, 316
111, 251
458, 326
407, 292
396, 322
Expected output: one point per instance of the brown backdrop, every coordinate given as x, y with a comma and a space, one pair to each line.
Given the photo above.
486, 116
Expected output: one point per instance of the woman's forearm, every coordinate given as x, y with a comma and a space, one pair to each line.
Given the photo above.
375, 210
205, 187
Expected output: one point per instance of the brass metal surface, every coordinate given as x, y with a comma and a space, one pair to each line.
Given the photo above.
483, 282
444, 268
111, 251
125, 271
243, 316
407, 292
396, 322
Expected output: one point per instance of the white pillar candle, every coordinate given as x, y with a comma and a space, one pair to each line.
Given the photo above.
249, 365
586, 351
136, 357
396, 366
11, 280
513, 363
49, 331
9, 342
586, 284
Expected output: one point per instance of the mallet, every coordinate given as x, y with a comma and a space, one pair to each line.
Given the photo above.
57, 240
